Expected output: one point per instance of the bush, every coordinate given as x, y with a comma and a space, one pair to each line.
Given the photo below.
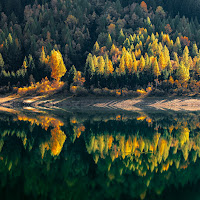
157, 92
78, 91
97, 92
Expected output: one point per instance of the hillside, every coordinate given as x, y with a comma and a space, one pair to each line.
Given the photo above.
100, 46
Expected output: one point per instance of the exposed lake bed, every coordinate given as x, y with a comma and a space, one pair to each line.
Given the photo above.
103, 103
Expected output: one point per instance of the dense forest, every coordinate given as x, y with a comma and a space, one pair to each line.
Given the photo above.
102, 47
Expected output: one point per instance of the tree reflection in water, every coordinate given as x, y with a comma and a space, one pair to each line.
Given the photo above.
110, 156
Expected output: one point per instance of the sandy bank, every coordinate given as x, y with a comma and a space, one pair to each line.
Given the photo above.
104, 103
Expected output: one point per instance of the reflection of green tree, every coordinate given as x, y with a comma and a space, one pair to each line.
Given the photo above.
93, 165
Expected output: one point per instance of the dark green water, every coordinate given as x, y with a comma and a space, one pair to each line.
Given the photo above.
99, 156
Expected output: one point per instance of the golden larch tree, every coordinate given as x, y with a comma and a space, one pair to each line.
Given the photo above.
42, 56
155, 68
183, 73
101, 65
141, 64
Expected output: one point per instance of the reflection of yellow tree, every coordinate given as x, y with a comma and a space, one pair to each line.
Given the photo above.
57, 140
58, 137
132, 150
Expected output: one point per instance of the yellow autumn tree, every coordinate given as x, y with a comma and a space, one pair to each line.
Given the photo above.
141, 64
57, 65
156, 71
161, 61
121, 69
101, 65
43, 58
183, 73
24, 65
108, 66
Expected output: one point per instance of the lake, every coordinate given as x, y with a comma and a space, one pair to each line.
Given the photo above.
71, 155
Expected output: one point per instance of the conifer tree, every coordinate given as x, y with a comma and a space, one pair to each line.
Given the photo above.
31, 64
127, 43
155, 68
71, 74
185, 58
166, 55
177, 46
147, 62
96, 47
10, 39
141, 64
182, 74
135, 66
194, 50
109, 42
121, 69
161, 61
176, 58
95, 61
101, 65
25, 64
108, 66
1, 61
42, 56
121, 37
89, 68
112, 51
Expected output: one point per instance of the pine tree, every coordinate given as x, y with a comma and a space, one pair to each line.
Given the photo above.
89, 70
155, 68
141, 64
95, 61
131, 39
121, 70
112, 51
177, 46
71, 74
161, 61
121, 37
101, 65
166, 55
127, 44
135, 66
10, 39
108, 66
147, 62
182, 74
185, 58
25, 63
169, 67
43, 56
109, 42
194, 50
96, 48
1, 61
176, 58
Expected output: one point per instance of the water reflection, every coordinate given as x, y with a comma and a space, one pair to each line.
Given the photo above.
78, 156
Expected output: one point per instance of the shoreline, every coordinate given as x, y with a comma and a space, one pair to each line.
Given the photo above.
71, 103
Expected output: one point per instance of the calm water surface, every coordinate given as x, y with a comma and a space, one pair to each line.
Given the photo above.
99, 156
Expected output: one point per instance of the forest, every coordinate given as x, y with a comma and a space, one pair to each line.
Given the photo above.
100, 47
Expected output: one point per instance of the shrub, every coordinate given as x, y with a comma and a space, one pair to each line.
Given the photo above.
78, 91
